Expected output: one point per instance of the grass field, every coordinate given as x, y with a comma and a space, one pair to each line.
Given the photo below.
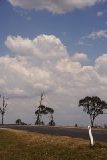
21, 145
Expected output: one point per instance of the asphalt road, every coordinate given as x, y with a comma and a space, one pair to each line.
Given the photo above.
99, 135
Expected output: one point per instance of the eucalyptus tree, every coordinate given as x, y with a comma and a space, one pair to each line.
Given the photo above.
93, 106
42, 110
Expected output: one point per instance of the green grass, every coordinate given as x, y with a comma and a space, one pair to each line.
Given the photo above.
21, 145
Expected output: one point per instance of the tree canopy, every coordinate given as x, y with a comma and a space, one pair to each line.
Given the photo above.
93, 106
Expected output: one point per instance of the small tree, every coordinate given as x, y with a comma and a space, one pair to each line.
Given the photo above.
3, 108
18, 121
93, 106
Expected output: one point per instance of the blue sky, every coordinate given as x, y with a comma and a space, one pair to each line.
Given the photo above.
70, 27
56, 46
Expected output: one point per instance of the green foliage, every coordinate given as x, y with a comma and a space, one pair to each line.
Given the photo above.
93, 106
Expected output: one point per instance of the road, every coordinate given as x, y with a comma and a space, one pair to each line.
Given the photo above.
99, 135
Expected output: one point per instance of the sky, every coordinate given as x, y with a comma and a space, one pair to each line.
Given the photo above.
55, 46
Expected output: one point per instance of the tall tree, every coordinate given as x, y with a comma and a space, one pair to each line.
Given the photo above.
93, 106
42, 110
3, 108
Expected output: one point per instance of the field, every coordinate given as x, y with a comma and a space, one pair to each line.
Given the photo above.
22, 145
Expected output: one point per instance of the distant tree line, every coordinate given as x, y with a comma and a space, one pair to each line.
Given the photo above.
93, 106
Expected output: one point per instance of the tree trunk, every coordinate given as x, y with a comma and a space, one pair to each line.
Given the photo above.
92, 122
2, 119
38, 119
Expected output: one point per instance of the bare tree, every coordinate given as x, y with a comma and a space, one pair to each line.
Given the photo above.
3, 108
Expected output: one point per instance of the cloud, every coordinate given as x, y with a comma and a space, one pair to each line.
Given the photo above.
43, 63
43, 47
66, 65
81, 43
22, 13
54, 6
101, 64
79, 57
97, 35
100, 13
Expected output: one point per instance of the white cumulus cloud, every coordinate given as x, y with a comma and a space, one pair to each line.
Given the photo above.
43, 63
79, 57
43, 46
54, 6
101, 64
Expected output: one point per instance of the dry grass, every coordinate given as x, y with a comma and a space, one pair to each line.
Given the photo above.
37, 138
22, 145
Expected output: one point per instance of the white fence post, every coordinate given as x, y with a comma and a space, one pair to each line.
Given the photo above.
91, 136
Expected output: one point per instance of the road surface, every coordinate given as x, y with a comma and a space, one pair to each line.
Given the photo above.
98, 134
